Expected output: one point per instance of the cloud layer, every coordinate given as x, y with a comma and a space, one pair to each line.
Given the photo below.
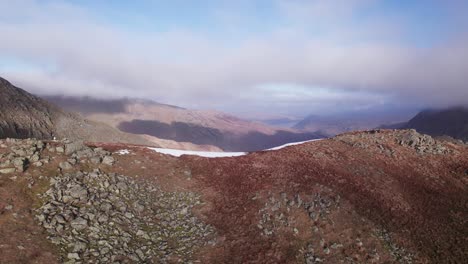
352, 50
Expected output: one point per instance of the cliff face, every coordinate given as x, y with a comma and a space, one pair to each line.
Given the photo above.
24, 115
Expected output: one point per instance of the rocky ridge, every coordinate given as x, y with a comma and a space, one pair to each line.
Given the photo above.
101, 218
423, 144
379, 196
98, 217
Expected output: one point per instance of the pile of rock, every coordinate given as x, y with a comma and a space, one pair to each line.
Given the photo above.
277, 211
21, 154
80, 153
421, 143
105, 218
400, 254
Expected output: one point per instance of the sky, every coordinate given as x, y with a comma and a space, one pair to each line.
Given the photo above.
247, 57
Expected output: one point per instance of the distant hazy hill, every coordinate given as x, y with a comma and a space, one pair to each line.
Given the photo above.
345, 122
23, 115
168, 122
450, 122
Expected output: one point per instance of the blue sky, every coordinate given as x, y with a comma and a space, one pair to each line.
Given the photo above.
277, 57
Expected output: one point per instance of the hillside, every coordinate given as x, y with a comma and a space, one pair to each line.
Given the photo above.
381, 196
23, 115
451, 122
178, 124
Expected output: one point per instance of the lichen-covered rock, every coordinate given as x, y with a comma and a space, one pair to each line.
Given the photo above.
108, 160
65, 165
73, 147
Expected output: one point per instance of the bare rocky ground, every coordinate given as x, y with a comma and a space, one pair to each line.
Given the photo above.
365, 197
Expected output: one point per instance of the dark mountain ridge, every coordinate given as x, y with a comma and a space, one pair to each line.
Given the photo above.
23, 115
88, 105
451, 122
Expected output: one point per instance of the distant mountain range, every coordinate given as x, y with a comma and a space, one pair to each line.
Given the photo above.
331, 125
451, 122
166, 122
24, 115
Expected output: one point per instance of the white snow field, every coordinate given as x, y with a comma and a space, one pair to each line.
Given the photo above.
209, 154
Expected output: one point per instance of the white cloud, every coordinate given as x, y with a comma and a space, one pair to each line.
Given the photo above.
70, 51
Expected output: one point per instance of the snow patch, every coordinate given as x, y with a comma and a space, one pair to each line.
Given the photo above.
292, 144
123, 152
209, 154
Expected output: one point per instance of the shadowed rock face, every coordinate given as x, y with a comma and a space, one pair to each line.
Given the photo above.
450, 122
197, 134
87, 105
23, 115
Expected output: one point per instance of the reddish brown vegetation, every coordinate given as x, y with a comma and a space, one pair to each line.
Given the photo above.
420, 199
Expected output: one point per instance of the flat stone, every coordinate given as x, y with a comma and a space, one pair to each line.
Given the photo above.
79, 247
140, 254
74, 147
5, 164
65, 165
141, 233
108, 160
34, 158
7, 170
79, 192
79, 223
38, 164
103, 218
73, 256
60, 149
95, 160
19, 164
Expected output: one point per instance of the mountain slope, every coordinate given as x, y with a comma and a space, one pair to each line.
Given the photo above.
23, 115
450, 122
183, 125
381, 196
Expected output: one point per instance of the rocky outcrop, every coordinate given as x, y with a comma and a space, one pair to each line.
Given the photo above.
423, 144
21, 155
23, 115
96, 217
